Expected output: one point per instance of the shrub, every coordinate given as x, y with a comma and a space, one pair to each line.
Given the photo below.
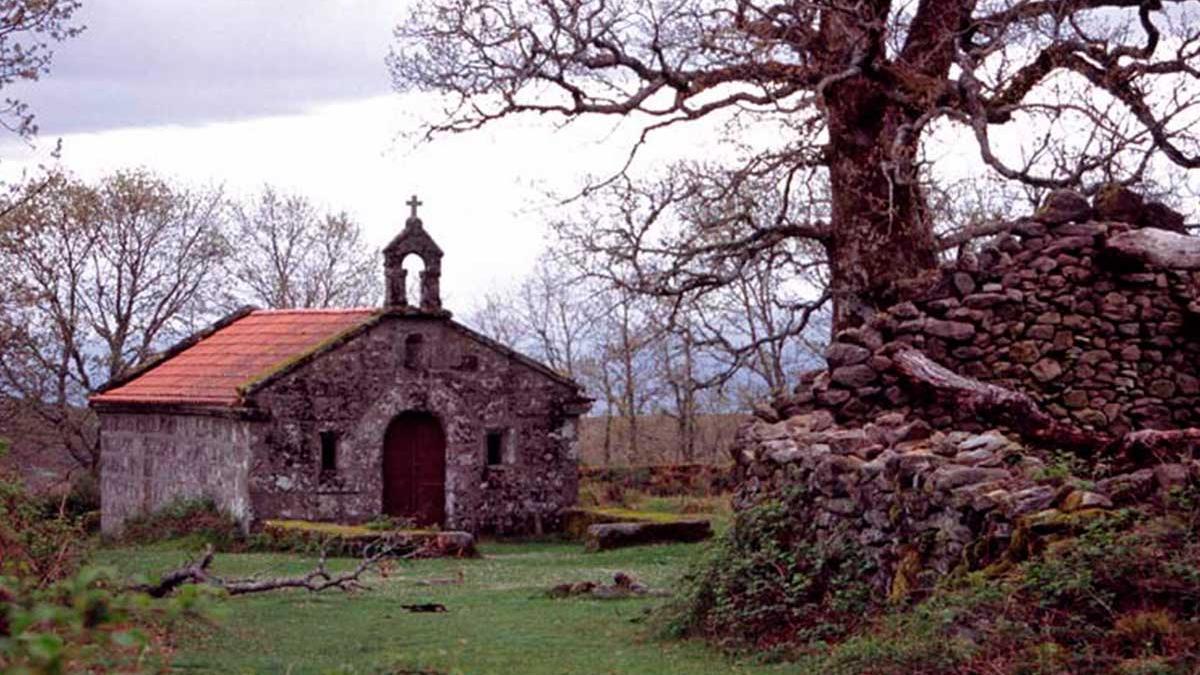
56, 617
1122, 597
83, 498
770, 584
196, 521
1115, 592
85, 623
33, 545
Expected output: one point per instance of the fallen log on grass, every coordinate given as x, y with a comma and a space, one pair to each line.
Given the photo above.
618, 535
317, 580
355, 540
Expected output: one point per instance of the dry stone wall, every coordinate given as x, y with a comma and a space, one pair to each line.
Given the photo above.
1054, 309
1097, 341
922, 504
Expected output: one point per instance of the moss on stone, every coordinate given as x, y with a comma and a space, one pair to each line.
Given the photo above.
288, 363
905, 579
336, 530
579, 520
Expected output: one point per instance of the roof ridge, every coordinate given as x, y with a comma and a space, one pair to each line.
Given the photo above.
319, 310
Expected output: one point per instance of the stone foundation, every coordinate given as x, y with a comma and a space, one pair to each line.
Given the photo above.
923, 504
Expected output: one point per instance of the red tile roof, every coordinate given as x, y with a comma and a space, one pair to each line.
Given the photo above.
210, 371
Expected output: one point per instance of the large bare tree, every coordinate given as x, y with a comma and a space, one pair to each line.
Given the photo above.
292, 255
1053, 93
98, 277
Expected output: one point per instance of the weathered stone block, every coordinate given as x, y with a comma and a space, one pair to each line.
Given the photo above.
620, 535
846, 354
854, 376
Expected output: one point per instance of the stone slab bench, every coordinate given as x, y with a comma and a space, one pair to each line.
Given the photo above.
355, 540
578, 520
609, 536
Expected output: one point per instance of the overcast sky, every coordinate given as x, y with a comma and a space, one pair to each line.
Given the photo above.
295, 93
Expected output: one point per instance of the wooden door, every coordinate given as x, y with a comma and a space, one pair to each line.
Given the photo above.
414, 469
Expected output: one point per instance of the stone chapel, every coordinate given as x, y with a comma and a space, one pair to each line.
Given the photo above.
346, 415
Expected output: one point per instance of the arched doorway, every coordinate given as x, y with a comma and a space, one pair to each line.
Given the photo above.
414, 469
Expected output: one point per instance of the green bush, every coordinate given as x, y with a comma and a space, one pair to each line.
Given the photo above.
1122, 597
195, 522
83, 498
1115, 592
56, 617
770, 584
85, 623
34, 545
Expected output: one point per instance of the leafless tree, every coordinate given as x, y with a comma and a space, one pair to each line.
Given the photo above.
680, 370
495, 315
559, 309
624, 365
765, 315
290, 255
99, 277
1053, 93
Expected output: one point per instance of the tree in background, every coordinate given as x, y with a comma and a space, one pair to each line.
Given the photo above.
1052, 93
27, 28
594, 333
644, 357
291, 255
98, 278
680, 372
753, 320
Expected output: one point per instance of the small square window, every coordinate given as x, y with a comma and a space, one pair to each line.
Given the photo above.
495, 448
328, 452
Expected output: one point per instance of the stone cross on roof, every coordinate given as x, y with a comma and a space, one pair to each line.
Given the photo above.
414, 203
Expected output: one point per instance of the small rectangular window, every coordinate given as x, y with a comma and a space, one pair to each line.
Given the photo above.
495, 448
413, 346
328, 452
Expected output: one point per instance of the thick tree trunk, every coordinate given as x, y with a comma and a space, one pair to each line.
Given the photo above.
881, 231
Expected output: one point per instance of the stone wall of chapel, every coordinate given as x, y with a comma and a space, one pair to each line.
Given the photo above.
357, 389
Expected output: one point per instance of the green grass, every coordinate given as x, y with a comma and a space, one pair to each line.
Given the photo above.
499, 619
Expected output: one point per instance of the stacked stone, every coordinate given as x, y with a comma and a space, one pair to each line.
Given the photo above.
1097, 342
922, 503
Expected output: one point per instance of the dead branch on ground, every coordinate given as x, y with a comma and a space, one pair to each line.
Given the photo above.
317, 580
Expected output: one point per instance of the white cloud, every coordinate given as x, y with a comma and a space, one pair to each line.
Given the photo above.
485, 193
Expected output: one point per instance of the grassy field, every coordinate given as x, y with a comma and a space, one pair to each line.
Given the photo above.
499, 619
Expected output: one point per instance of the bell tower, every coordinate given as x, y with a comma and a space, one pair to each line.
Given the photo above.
413, 240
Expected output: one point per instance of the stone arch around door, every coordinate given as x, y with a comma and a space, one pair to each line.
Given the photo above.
460, 427
414, 468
